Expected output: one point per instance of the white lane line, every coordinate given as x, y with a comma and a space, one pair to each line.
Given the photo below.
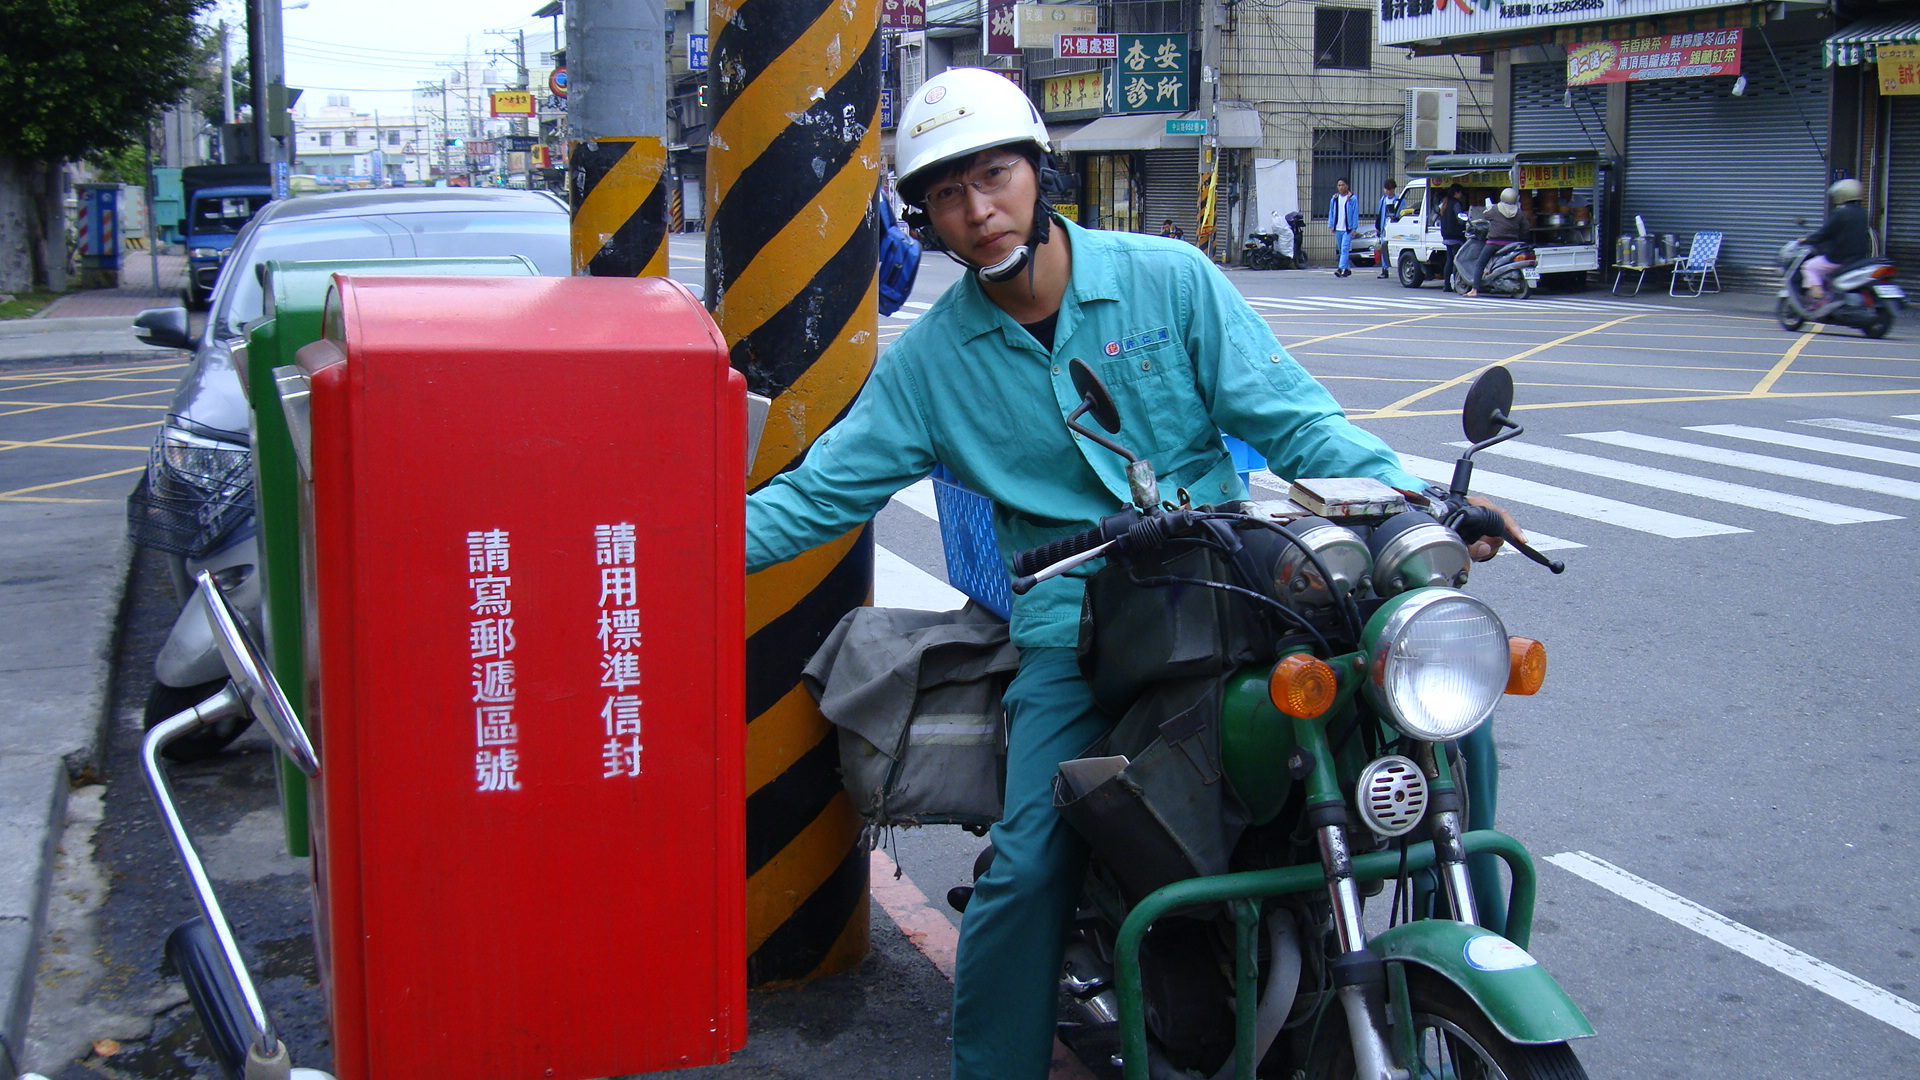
1861, 427
1777, 466
1376, 301
1295, 304
1908, 416
899, 583
919, 497
917, 304
1814, 443
1842, 986
1688, 484
1577, 503
1274, 487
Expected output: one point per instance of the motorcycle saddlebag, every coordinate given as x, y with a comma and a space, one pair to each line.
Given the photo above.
1151, 797
1133, 636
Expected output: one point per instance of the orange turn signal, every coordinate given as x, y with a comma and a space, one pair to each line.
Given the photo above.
1302, 686
1527, 660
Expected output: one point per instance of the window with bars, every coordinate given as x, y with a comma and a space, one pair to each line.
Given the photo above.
1343, 38
1473, 142
326, 138
1363, 156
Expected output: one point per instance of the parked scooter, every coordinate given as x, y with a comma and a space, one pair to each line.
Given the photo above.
1319, 657
1861, 294
1511, 270
1262, 252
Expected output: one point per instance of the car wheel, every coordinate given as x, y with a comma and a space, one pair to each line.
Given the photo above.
1412, 274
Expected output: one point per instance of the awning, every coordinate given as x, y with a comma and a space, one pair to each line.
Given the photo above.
1239, 127
1860, 43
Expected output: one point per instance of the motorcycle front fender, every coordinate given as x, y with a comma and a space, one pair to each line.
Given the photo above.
1508, 985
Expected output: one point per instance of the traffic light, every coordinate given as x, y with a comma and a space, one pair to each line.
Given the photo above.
456, 142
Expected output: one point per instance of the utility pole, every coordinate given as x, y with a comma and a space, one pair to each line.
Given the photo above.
1209, 107
792, 164
266, 66
616, 134
519, 60
226, 85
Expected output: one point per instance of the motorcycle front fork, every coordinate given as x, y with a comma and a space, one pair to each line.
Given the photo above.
1359, 977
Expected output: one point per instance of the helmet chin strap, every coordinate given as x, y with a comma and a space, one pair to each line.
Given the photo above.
1022, 257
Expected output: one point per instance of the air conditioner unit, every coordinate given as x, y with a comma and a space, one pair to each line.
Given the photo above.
1433, 118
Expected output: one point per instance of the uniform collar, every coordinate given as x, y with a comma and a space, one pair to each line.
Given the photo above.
1092, 277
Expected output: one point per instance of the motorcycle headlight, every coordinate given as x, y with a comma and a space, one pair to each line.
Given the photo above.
1438, 662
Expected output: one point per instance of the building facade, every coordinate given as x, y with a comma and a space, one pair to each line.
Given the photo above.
342, 147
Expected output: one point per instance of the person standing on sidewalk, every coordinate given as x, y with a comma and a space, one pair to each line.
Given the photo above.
1383, 213
1343, 216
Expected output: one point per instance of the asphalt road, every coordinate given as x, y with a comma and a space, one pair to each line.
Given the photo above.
1727, 712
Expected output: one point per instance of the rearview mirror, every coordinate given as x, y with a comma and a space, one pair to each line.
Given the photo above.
1488, 403
165, 327
1095, 396
1096, 399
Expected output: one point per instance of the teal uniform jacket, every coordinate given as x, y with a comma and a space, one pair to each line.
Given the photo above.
968, 387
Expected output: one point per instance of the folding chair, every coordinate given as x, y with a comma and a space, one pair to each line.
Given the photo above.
1702, 258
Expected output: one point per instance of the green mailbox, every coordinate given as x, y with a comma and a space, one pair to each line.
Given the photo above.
296, 294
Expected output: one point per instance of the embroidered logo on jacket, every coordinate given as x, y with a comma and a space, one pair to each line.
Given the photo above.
1141, 340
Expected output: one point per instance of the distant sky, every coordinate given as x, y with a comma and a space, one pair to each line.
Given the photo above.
376, 50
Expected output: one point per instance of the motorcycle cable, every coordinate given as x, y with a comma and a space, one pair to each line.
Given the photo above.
1293, 616
1348, 609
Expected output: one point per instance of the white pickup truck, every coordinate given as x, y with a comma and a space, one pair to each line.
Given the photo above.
1557, 189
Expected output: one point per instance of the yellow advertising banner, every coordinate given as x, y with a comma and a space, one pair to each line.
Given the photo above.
1572, 174
1899, 69
512, 102
1075, 93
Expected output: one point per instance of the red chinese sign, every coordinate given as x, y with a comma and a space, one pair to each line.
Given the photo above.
1668, 56
903, 14
996, 31
1086, 46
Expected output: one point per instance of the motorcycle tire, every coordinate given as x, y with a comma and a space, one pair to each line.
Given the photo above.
1789, 318
1412, 273
1880, 323
1455, 1039
164, 701
1516, 287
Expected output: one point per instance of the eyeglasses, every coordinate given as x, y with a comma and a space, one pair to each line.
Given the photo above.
986, 179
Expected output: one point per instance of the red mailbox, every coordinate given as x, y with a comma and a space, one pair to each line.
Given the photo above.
526, 572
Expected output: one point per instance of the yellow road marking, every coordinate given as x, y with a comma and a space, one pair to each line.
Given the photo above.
48, 499
1522, 355
103, 404
1786, 361
1736, 396
65, 483
55, 440
7, 444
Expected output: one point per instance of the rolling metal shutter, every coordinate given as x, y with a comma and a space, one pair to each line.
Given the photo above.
1541, 118
1903, 180
1700, 159
1171, 189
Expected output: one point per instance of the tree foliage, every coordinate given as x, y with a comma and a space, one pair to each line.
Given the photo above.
80, 77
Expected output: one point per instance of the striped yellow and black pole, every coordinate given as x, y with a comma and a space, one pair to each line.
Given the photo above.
617, 147
791, 251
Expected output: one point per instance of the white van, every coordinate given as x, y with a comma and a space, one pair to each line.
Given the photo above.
1557, 190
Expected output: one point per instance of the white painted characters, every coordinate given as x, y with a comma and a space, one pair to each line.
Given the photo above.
618, 631
496, 734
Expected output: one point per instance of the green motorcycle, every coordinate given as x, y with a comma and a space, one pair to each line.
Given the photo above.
1304, 690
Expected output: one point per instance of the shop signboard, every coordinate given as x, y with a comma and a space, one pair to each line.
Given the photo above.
997, 29
511, 102
1566, 174
1086, 47
1899, 69
903, 14
1082, 93
1663, 56
1403, 22
696, 52
1151, 74
886, 106
1037, 25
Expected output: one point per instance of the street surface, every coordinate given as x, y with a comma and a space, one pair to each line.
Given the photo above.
1715, 780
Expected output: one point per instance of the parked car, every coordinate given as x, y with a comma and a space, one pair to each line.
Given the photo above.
195, 502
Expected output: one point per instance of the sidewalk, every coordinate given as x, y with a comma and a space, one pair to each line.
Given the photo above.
140, 288
95, 325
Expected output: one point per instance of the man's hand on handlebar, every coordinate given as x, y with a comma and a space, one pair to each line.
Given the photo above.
1488, 546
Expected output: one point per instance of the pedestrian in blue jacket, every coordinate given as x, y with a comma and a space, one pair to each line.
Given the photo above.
1343, 216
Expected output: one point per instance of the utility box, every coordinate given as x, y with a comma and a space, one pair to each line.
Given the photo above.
525, 577
296, 293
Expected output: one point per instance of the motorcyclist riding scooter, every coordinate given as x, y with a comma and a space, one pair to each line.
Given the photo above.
981, 384
1832, 276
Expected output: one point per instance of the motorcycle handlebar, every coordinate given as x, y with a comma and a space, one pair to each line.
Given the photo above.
1478, 522
1033, 560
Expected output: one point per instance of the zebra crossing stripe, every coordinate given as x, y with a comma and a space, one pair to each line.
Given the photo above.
1814, 443
1301, 302
1861, 427
1689, 484
1778, 466
1378, 301
1575, 503
919, 498
899, 583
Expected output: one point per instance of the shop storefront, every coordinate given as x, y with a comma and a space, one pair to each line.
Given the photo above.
1880, 59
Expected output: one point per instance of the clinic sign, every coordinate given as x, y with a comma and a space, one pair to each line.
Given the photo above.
1666, 56
1404, 22
1151, 74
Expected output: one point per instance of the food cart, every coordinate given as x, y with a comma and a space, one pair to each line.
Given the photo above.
1561, 192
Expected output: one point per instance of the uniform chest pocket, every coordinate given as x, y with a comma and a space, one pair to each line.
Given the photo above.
1154, 388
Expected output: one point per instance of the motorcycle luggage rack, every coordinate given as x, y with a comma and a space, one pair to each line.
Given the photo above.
1244, 890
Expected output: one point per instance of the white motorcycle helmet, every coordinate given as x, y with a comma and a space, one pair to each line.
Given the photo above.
1842, 192
962, 111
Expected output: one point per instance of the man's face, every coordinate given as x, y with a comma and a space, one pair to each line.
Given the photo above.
1341, 187
1389, 190
978, 221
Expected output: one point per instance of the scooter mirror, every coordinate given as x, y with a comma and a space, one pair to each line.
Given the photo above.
254, 679
1488, 403
1094, 394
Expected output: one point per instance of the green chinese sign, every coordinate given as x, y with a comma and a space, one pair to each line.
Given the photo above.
1151, 74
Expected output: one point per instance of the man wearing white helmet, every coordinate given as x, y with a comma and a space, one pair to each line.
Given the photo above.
1841, 239
980, 384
